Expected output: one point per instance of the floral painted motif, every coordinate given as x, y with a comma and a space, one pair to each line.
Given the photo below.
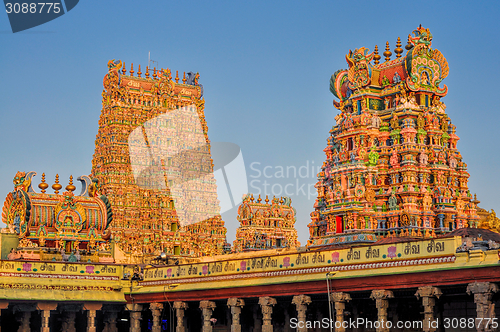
391, 252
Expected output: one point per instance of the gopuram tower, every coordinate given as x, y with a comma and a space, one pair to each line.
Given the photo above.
152, 159
392, 166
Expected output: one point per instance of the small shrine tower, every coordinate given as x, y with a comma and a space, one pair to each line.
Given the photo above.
152, 158
392, 166
265, 225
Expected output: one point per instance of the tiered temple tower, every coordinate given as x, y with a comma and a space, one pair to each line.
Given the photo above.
152, 159
392, 166
265, 225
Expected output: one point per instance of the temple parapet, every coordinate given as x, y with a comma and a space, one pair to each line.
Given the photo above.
265, 225
68, 227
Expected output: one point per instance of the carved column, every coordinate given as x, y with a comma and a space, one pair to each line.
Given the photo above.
339, 298
91, 321
156, 309
483, 292
428, 295
45, 308
91, 314
235, 304
301, 302
207, 307
45, 314
179, 312
3, 305
135, 315
381, 298
266, 304
110, 318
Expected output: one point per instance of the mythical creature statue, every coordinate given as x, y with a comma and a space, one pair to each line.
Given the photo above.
359, 73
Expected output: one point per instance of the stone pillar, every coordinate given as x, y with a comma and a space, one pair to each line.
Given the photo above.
235, 304
135, 315
179, 312
45, 309
3, 305
110, 318
266, 304
91, 321
339, 299
428, 295
156, 309
91, 314
207, 307
301, 302
483, 292
381, 298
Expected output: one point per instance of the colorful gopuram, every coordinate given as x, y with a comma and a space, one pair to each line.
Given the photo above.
57, 226
265, 225
152, 158
392, 166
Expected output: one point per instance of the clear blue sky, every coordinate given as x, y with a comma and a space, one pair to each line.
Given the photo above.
265, 67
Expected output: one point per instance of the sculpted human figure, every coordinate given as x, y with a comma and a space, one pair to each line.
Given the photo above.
423, 158
395, 122
376, 121
420, 122
394, 159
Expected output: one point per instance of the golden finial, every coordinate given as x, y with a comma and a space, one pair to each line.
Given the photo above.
154, 73
387, 52
169, 74
70, 186
176, 76
56, 186
184, 78
132, 70
282, 201
259, 199
43, 185
147, 71
139, 71
252, 199
124, 70
376, 57
398, 50
267, 199
409, 46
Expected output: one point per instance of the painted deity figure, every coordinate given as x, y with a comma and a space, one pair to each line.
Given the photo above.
394, 159
420, 122
393, 203
395, 122
396, 78
423, 158
376, 121
444, 125
365, 117
452, 162
427, 202
372, 158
